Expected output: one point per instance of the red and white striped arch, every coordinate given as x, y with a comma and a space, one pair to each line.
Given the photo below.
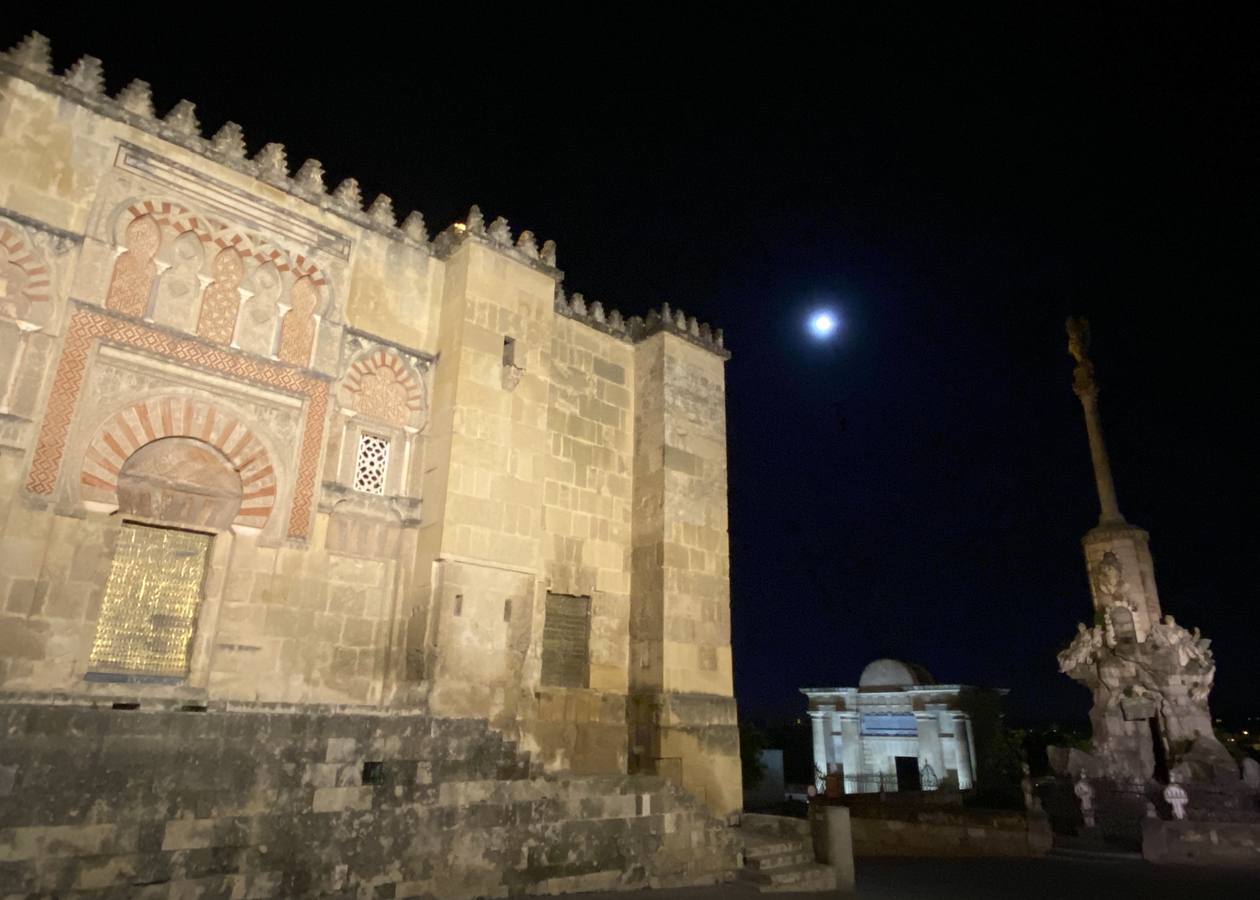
409, 406
131, 428
213, 233
37, 283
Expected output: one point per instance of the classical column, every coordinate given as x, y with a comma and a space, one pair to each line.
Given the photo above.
962, 747
832, 759
851, 749
1084, 387
820, 722
931, 754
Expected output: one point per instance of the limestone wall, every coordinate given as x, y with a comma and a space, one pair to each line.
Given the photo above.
683, 710
300, 594
168, 803
393, 450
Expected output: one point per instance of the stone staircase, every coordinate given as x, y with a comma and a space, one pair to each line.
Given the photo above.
779, 856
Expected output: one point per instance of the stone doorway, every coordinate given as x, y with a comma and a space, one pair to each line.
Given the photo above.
151, 601
183, 490
908, 773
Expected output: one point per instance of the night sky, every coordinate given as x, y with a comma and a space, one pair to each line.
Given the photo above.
953, 186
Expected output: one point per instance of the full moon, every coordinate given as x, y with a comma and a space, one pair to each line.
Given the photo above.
823, 323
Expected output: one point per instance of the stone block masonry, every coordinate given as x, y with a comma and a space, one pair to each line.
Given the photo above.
278, 802
1185, 842
424, 480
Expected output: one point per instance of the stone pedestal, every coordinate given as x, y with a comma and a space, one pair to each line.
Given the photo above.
1150, 714
839, 846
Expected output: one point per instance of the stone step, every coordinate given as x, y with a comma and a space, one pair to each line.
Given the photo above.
779, 860
762, 847
802, 877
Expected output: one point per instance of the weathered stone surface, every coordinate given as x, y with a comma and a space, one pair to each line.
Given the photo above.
1150, 677
172, 796
392, 450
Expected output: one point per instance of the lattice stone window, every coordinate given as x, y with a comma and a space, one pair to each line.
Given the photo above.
373, 461
151, 601
566, 645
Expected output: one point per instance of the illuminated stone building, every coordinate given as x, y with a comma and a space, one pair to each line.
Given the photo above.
263, 450
897, 730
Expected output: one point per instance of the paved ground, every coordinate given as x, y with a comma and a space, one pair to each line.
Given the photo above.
1052, 878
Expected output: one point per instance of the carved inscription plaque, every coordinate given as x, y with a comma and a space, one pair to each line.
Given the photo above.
566, 641
151, 600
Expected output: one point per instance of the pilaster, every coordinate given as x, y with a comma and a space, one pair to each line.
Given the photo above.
931, 753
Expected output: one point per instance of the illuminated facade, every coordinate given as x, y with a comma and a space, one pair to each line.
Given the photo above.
897, 730
260, 444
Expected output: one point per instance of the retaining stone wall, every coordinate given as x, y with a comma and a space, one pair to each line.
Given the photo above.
948, 833
269, 802
1201, 843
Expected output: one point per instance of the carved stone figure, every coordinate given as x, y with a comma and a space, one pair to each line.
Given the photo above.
1026, 787
1109, 582
1083, 650
1085, 796
1176, 796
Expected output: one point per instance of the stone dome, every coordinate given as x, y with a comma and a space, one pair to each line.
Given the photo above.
894, 673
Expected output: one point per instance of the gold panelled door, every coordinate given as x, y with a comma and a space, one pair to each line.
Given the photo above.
151, 601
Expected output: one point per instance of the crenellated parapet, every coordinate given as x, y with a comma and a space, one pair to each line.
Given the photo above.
84, 83
498, 235
636, 328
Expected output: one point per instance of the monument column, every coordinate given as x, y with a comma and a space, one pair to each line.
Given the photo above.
931, 753
1086, 389
851, 749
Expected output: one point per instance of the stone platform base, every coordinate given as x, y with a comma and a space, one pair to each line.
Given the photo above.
1201, 843
269, 802
949, 833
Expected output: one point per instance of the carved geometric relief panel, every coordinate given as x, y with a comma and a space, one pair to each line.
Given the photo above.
380, 385
159, 272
